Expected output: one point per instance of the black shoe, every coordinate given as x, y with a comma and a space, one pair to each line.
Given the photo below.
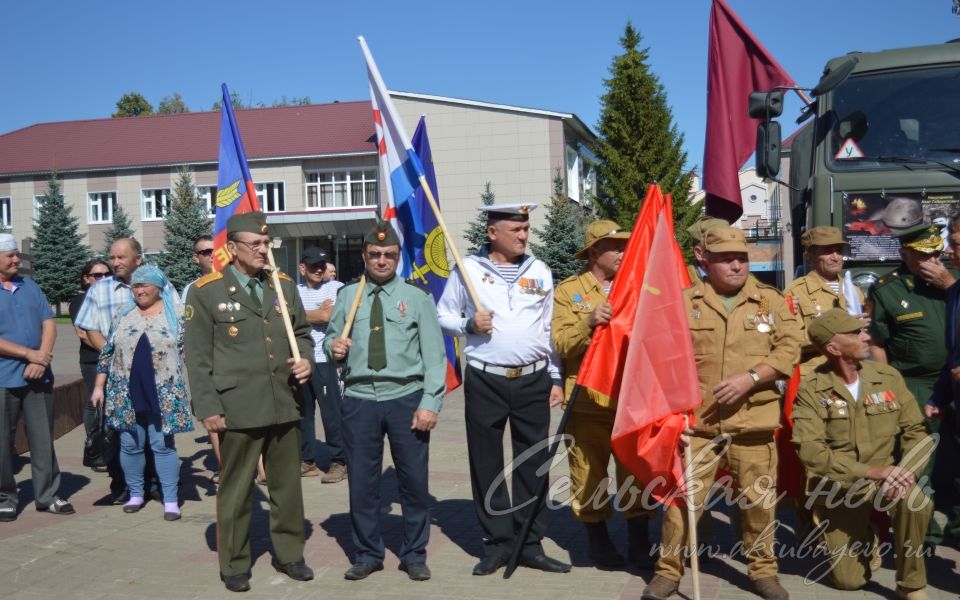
236, 583
132, 508
121, 498
639, 549
416, 571
362, 570
156, 495
294, 570
542, 562
171, 516
58, 507
602, 551
8, 514
488, 565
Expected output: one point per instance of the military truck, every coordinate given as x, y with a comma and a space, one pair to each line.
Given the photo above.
878, 150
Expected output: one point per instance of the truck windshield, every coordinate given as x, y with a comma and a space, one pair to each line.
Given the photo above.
896, 114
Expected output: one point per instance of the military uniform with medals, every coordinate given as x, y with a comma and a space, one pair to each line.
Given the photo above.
236, 352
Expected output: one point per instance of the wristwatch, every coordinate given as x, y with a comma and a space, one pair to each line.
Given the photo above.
754, 376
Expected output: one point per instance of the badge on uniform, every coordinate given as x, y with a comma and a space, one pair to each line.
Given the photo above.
233, 331
487, 278
532, 286
883, 397
276, 306
187, 312
232, 289
904, 304
222, 306
402, 308
763, 319
583, 303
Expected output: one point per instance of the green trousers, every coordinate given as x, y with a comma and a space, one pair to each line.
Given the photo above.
240, 449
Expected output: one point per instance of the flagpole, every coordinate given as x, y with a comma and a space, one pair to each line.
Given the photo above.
691, 513
284, 313
348, 324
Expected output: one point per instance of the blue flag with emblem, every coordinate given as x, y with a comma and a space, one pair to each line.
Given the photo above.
424, 241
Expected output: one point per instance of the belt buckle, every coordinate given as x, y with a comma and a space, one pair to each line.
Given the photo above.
513, 372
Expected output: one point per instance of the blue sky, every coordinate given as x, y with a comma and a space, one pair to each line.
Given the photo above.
65, 60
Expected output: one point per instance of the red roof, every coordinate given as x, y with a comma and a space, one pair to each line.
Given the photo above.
312, 130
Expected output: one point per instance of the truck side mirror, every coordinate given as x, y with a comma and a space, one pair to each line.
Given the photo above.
768, 150
765, 105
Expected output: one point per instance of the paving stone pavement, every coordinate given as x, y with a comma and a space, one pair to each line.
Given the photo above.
103, 553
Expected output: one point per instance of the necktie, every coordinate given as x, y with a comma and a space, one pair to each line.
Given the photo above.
377, 346
254, 285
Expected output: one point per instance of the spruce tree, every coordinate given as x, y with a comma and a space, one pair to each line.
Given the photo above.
186, 221
638, 143
119, 228
562, 236
476, 232
57, 251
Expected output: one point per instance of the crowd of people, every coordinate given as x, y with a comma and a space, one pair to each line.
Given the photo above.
251, 355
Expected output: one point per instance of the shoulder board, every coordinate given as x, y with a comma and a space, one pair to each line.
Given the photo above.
765, 286
885, 280
568, 279
212, 276
284, 276
418, 285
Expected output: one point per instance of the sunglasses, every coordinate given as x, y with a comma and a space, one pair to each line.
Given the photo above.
375, 255
207, 252
99, 274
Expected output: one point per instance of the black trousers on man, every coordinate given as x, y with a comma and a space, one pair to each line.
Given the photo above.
491, 402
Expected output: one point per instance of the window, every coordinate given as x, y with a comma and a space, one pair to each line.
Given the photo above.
100, 206
5, 221
574, 174
37, 203
342, 189
155, 205
208, 193
270, 197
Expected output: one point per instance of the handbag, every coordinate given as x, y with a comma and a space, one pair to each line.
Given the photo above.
100, 447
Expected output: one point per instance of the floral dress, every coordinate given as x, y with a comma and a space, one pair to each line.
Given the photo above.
116, 359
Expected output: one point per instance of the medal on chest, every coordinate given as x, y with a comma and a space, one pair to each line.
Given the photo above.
763, 319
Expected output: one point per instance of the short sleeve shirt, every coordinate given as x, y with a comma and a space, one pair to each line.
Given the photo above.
22, 313
312, 299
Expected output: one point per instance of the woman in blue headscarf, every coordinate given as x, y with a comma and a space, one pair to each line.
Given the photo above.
140, 377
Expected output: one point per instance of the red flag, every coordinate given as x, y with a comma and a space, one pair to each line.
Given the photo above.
737, 64
660, 376
602, 365
790, 472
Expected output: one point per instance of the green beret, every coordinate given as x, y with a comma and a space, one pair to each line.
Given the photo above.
382, 234
248, 222
704, 223
922, 238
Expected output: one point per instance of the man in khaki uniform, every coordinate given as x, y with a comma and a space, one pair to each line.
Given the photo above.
849, 416
744, 339
822, 289
580, 304
696, 231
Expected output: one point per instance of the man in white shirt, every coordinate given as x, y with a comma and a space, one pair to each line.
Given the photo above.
512, 375
318, 295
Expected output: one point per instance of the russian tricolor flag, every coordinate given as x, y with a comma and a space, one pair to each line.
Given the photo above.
398, 159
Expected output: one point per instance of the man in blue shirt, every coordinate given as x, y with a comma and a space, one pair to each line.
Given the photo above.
27, 334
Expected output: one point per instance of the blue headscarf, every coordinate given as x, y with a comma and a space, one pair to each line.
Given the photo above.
152, 275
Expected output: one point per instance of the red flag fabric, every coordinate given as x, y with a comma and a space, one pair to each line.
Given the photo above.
737, 64
660, 376
790, 472
603, 362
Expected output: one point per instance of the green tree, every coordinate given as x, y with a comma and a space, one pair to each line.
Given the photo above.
57, 251
133, 104
119, 228
172, 105
639, 144
284, 101
235, 100
186, 221
476, 233
562, 235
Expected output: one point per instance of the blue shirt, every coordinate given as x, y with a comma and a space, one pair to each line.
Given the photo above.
22, 313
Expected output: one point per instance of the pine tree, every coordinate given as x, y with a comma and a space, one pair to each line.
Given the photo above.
119, 228
57, 252
186, 221
562, 236
639, 143
476, 232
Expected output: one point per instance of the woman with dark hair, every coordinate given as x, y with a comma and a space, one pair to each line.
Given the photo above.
92, 272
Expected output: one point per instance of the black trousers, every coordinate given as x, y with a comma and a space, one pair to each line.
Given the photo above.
491, 402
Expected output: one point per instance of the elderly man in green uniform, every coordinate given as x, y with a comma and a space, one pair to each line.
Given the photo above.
395, 381
908, 324
580, 304
850, 415
243, 380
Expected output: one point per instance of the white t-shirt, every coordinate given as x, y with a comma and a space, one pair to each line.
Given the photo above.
312, 299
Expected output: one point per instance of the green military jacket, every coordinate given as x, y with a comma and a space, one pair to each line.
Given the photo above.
839, 437
416, 357
909, 319
237, 354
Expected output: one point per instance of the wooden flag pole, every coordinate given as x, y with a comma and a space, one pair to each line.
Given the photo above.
691, 514
284, 313
453, 249
348, 324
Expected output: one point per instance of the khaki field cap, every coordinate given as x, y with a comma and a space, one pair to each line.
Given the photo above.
704, 223
724, 239
822, 236
832, 322
601, 230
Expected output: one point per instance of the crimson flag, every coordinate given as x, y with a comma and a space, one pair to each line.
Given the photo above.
660, 380
737, 64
